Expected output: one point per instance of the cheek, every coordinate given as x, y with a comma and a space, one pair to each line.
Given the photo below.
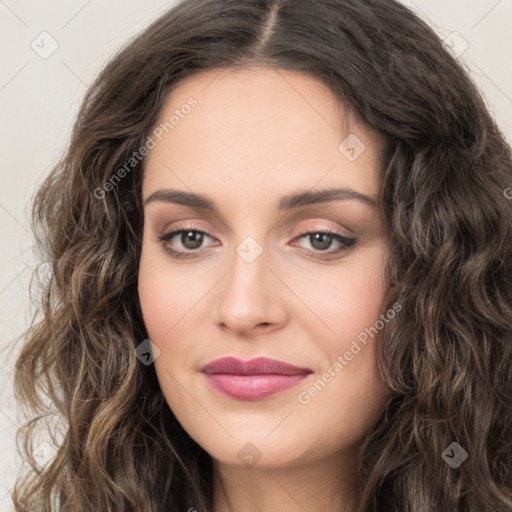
166, 298
155, 302
348, 395
349, 299
166, 295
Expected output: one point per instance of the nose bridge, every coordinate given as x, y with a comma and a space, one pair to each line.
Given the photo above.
249, 273
248, 297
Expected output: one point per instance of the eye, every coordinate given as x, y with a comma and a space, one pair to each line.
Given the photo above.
322, 240
191, 239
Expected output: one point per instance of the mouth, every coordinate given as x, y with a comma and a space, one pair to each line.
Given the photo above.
252, 380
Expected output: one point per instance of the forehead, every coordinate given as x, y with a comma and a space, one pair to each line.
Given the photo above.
260, 129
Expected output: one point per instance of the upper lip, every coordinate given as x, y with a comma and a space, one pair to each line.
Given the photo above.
257, 366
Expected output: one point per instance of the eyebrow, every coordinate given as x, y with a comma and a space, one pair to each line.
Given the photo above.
289, 202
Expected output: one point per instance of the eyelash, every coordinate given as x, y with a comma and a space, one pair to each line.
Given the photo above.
346, 242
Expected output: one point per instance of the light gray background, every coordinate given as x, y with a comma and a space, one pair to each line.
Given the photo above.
39, 99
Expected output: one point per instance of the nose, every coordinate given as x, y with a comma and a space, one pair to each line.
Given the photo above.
250, 298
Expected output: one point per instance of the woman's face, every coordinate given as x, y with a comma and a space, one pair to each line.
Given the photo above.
238, 166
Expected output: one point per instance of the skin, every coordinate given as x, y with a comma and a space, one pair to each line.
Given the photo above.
257, 135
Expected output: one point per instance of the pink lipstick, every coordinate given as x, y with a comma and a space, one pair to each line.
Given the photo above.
254, 379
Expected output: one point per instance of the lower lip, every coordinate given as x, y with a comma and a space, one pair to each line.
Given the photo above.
253, 387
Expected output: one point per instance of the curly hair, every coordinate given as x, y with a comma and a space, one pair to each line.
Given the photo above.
447, 357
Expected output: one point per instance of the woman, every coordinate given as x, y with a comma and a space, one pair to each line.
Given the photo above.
279, 249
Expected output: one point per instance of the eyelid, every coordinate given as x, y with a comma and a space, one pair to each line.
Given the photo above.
321, 229
189, 225
171, 233
346, 241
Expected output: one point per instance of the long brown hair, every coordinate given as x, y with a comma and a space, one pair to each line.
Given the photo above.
446, 358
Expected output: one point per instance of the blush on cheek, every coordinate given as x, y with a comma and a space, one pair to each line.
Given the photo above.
156, 311
347, 305
168, 306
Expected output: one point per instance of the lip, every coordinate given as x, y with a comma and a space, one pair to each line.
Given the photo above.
254, 379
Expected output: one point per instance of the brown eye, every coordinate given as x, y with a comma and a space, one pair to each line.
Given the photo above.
321, 241
195, 238
189, 239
